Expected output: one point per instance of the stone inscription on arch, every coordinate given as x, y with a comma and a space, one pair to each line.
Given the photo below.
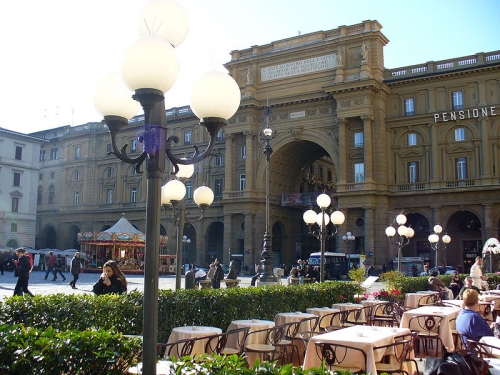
294, 68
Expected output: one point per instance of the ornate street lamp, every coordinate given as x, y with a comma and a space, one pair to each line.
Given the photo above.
150, 69
267, 134
434, 241
172, 194
348, 240
322, 219
403, 237
185, 241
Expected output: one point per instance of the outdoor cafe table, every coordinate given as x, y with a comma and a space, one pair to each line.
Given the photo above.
362, 337
412, 299
493, 341
292, 317
347, 306
181, 333
321, 311
482, 306
447, 313
258, 338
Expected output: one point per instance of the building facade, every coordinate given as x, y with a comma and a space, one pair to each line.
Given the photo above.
422, 140
19, 177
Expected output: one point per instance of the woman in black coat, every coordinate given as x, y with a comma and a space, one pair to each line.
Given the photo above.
22, 271
112, 280
456, 285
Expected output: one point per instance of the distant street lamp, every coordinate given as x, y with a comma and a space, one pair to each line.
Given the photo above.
403, 237
267, 134
322, 219
348, 239
434, 241
185, 241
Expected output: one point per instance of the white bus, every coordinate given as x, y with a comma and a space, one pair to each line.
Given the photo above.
335, 264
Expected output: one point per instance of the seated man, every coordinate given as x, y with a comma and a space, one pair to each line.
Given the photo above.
469, 322
469, 284
436, 285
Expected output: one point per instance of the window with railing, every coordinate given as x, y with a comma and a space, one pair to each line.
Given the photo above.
359, 172
409, 107
133, 194
77, 153
76, 198
218, 187
358, 139
109, 196
461, 168
413, 172
457, 100
243, 182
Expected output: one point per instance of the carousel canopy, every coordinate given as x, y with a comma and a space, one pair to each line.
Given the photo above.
123, 226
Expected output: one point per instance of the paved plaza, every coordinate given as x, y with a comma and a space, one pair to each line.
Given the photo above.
39, 286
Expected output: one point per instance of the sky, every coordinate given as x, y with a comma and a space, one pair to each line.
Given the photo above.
53, 53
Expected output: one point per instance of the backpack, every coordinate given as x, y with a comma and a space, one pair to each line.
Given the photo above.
456, 364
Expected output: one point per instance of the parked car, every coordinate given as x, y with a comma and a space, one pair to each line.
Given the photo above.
185, 268
449, 270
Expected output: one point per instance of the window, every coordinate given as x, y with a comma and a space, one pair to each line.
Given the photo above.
311, 169
459, 134
39, 195
40, 176
329, 175
243, 152
358, 140
134, 171
218, 137
15, 204
320, 171
42, 155
51, 193
77, 153
108, 148
457, 100
187, 137
133, 145
17, 179
218, 187
76, 176
189, 190
133, 194
409, 107
110, 172
52, 174
109, 196
13, 227
413, 172
243, 181
461, 168
359, 172
219, 160
76, 198
19, 153
412, 139
53, 154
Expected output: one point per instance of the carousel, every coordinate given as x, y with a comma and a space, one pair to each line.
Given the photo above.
122, 243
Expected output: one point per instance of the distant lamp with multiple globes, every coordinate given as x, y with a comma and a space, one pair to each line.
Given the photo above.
434, 241
322, 219
403, 236
348, 239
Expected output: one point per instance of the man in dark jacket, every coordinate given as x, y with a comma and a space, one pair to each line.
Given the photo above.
22, 271
218, 275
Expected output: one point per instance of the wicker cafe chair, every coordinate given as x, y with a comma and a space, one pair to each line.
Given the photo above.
482, 349
401, 351
183, 348
429, 329
218, 343
336, 355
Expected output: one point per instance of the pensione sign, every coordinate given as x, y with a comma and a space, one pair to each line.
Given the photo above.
465, 114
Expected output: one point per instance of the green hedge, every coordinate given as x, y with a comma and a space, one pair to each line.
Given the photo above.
211, 307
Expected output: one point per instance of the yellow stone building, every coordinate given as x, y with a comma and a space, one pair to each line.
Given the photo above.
421, 139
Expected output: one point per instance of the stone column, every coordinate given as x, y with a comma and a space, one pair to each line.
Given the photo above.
489, 226
369, 244
249, 160
485, 148
368, 147
228, 238
342, 122
229, 163
435, 160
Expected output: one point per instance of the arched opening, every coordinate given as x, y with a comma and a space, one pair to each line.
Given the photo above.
215, 235
71, 240
13, 244
464, 228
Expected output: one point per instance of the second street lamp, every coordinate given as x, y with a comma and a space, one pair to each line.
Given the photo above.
348, 239
322, 219
403, 237
434, 241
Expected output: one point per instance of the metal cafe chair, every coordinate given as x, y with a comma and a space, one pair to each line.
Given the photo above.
482, 349
268, 349
218, 343
401, 351
335, 356
183, 348
429, 330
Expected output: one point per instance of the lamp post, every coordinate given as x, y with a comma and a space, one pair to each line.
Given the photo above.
150, 69
172, 194
403, 237
267, 134
348, 239
434, 241
322, 219
185, 241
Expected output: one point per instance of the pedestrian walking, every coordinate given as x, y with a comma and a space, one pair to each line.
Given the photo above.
59, 267
218, 275
75, 269
22, 271
51, 262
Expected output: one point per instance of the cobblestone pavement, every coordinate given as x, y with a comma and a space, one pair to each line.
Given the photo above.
39, 286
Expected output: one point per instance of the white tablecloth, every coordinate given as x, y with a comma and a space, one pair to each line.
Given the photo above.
412, 299
493, 341
181, 333
290, 317
371, 337
447, 313
321, 311
254, 325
